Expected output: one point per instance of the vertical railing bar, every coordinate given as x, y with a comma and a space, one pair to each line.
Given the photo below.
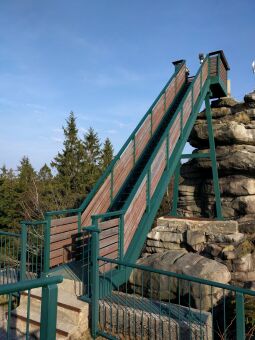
23, 258
28, 314
46, 256
9, 315
240, 316
95, 279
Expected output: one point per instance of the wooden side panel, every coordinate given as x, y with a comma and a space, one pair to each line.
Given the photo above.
63, 231
187, 107
99, 204
213, 66
196, 89
223, 73
134, 213
108, 242
158, 112
174, 133
170, 93
204, 72
157, 167
142, 136
180, 79
123, 167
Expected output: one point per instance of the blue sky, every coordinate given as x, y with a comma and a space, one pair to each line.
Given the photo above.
106, 60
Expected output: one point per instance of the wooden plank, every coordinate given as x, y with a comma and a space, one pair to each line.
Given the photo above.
64, 220
63, 228
108, 232
101, 199
61, 236
108, 224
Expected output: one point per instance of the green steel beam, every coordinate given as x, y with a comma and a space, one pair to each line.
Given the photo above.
240, 316
195, 155
176, 189
213, 157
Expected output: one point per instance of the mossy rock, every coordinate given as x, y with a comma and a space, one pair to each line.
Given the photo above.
244, 248
224, 101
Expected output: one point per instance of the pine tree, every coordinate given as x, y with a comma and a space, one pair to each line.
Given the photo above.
9, 209
107, 154
93, 156
70, 165
28, 191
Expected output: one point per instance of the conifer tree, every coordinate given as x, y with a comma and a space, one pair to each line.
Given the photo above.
93, 155
107, 154
70, 164
28, 191
9, 210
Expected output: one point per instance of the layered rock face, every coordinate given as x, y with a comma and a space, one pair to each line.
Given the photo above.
234, 133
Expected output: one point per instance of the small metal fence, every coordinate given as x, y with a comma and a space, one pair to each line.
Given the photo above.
158, 304
13, 294
10, 244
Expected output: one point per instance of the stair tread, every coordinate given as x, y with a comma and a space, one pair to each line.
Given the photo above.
63, 321
65, 298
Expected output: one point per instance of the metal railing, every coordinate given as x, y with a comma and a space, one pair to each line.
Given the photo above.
154, 303
10, 257
10, 296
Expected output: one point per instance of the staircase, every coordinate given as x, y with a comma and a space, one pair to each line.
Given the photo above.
72, 314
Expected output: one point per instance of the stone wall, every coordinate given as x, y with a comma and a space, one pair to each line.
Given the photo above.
234, 132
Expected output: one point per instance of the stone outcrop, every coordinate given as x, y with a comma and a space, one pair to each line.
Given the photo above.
220, 241
234, 133
180, 261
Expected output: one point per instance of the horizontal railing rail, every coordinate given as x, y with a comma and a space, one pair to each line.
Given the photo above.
13, 293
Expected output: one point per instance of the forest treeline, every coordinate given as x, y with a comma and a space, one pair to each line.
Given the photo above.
26, 194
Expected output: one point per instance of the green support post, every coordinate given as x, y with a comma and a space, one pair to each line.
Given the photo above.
121, 237
95, 280
213, 157
176, 189
240, 317
79, 222
46, 252
23, 258
49, 312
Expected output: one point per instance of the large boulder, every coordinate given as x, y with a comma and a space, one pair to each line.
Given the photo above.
167, 288
250, 99
225, 133
231, 159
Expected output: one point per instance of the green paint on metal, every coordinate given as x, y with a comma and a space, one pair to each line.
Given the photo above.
79, 222
23, 255
121, 237
95, 280
46, 252
49, 312
213, 157
195, 155
240, 316
176, 189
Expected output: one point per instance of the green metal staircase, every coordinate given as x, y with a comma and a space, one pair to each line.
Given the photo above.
100, 242
124, 202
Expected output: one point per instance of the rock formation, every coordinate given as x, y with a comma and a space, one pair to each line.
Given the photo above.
234, 133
